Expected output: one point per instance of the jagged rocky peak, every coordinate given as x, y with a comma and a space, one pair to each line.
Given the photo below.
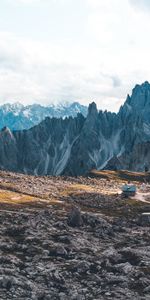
138, 103
6, 135
128, 100
92, 109
141, 87
73, 146
92, 117
140, 97
6, 130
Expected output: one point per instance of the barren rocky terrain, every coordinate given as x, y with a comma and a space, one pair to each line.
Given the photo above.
64, 238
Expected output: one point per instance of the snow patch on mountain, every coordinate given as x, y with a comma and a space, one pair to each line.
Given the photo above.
17, 116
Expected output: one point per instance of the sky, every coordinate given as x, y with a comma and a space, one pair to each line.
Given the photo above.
56, 51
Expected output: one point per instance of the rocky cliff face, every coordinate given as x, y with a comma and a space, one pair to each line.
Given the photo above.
134, 121
76, 145
44, 149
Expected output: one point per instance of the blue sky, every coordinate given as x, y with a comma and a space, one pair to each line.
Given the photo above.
53, 51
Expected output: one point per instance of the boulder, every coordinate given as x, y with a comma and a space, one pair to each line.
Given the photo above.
75, 218
145, 219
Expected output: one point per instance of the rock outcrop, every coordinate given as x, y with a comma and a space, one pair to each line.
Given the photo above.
73, 146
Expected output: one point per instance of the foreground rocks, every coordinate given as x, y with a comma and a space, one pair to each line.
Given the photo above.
75, 218
90, 246
43, 258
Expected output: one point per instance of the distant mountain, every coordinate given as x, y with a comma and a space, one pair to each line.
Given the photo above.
73, 146
17, 116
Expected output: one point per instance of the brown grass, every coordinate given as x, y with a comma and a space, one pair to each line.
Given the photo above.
121, 175
15, 198
77, 189
9, 197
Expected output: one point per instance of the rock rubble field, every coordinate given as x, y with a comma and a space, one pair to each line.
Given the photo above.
65, 238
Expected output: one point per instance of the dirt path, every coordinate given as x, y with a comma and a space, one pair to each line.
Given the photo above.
142, 197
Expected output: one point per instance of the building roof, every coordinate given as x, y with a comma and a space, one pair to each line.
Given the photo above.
129, 188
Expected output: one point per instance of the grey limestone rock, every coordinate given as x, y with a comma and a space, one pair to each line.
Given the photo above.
74, 146
75, 217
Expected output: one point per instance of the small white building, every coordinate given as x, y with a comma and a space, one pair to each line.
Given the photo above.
128, 190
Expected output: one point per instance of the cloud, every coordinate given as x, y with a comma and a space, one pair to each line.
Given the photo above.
35, 2
116, 81
32, 72
141, 4
94, 51
25, 1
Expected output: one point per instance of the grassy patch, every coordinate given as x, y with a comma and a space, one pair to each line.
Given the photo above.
121, 175
9, 197
76, 189
14, 198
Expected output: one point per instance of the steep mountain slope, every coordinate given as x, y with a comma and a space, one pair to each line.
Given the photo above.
74, 146
17, 116
134, 120
43, 149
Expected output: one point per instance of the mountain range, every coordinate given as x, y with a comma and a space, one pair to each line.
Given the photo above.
74, 146
16, 116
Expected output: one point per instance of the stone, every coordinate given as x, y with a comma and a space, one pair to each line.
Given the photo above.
44, 258
126, 268
75, 218
58, 251
83, 267
145, 219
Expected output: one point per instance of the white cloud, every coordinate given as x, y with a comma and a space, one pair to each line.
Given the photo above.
43, 73
25, 1
101, 57
141, 4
